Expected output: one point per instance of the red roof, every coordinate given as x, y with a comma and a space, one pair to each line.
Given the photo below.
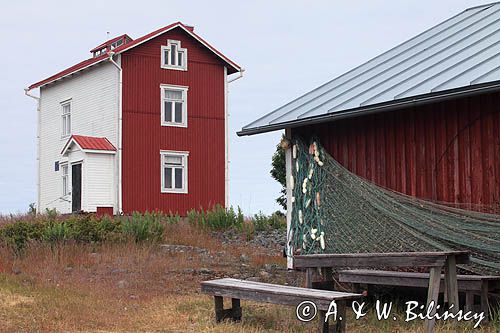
90, 143
233, 67
111, 41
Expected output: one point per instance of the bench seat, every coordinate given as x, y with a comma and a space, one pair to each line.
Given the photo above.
275, 294
469, 284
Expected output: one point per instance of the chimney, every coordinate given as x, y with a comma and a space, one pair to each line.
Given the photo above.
190, 28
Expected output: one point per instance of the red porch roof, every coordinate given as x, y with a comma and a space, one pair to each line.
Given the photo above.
90, 143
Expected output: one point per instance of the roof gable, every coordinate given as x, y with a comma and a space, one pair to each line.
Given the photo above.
89, 143
232, 66
458, 55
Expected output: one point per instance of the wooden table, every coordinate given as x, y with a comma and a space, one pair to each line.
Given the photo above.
433, 260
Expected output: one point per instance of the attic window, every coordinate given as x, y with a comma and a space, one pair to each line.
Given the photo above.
173, 56
99, 52
114, 45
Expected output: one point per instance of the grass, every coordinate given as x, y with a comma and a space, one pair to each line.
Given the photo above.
134, 286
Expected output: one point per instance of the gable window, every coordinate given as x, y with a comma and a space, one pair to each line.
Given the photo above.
174, 172
173, 106
65, 179
173, 56
66, 119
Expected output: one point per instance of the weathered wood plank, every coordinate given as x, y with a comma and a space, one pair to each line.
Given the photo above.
276, 294
407, 279
432, 295
402, 259
451, 283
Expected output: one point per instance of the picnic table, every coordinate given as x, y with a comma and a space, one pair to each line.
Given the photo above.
435, 261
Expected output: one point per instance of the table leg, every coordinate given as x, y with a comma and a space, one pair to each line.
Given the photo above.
340, 325
324, 326
450, 277
484, 300
433, 294
469, 301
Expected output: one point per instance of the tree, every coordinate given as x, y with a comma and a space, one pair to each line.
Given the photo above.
278, 171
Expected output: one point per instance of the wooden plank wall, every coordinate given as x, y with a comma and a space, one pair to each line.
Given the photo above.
447, 152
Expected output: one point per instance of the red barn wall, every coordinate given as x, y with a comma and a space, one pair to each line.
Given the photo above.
144, 137
447, 152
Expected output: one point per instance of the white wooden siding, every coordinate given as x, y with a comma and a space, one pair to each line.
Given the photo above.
94, 112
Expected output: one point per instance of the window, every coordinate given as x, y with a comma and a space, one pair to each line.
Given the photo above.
173, 56
66, 119
65, 179
173, 106
174, 172
114, 45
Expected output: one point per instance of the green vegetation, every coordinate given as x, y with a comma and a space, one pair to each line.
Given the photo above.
52, 228
218, 218
278, 171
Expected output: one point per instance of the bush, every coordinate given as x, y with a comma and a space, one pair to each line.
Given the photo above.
147, 227
18, 234
263, 222
219, 218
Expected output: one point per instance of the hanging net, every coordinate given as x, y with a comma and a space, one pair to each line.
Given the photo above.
336, 211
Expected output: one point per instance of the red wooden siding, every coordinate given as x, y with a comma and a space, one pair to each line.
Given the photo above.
447, 152
144, 137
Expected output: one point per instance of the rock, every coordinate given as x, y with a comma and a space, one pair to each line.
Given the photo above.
68, 269
118, 271
244, 257
253, 278
205, 271
134, 297
265, 275
122, 284
16, 270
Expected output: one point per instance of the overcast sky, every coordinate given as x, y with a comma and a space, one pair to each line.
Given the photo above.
287, 48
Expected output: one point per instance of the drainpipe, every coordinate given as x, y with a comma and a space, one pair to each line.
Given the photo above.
226, 122
38, 107
119, 209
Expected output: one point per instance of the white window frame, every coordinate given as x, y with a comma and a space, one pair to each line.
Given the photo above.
163, 99
64, 177
166, 61
64, 117
184, 155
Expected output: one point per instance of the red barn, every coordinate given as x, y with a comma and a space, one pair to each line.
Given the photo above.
422, 118
140, 126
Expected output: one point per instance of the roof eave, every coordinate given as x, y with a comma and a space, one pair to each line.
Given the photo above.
377, 108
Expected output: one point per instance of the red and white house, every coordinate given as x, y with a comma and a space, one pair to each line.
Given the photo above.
141, 125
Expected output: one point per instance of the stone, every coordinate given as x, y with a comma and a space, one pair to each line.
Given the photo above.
122, 284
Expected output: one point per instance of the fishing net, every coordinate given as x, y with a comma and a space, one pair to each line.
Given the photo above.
336, 211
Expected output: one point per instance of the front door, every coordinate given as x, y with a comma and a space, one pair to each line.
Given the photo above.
76, 185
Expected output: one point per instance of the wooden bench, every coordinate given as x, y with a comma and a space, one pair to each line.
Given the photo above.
276, 294
469, 284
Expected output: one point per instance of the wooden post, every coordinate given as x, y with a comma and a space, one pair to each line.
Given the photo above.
219, 308
309, 278
469, 301
324, 326
289, 195
450, 277
340, 325
484, 300
235, 309
433, 294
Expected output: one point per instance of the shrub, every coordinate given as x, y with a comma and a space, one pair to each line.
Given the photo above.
18, 234
143, 227
263, 222
55, 232
218, 218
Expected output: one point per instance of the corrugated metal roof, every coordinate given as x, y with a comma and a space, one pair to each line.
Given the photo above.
461, 54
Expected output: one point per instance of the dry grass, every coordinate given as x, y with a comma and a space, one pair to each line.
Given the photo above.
132, 288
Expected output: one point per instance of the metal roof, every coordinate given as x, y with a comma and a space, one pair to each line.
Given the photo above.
458, 56
232, 68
